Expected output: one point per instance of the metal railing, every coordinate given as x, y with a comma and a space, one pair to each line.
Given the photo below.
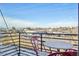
23, 43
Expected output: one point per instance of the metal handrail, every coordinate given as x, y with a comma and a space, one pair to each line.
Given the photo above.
25, 38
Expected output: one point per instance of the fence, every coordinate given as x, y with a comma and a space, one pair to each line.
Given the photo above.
20, 44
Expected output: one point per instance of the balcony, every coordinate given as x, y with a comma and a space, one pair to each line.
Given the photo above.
20, 43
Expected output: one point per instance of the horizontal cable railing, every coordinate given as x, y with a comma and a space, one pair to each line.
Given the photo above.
23, 43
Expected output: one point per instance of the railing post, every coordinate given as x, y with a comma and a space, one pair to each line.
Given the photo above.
41, 41
78, 30
19, 45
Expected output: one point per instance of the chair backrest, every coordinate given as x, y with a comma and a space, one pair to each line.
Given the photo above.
64, 54
69, 53
34, 40
71, 50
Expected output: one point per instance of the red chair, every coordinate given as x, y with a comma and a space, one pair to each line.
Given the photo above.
64, 54
71, 50
35, 43
36, 47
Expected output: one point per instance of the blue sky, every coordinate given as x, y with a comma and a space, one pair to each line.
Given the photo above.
41, 15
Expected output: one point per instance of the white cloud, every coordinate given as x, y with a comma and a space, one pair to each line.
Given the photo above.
17, 22
26, 23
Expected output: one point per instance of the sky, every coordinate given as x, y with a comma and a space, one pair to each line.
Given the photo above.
39, 14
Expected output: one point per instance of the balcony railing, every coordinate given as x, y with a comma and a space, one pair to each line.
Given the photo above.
22, 42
